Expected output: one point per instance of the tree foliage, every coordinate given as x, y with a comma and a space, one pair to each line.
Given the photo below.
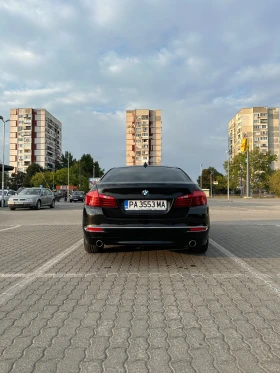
64, 160
274, 183
259, 165
207, 174
30, 172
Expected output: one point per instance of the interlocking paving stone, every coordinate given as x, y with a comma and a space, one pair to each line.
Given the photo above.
140, 311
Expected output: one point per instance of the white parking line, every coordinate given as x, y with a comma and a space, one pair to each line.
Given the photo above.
9, 293
275, 287
13, 227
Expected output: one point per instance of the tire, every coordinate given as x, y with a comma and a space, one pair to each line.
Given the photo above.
70, 201
92, 249
38, 205
201, 249
52, 206
12, 208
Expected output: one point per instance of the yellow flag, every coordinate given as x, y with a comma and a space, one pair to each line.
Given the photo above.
244, 145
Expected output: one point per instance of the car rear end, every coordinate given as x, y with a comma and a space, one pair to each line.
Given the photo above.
128, 210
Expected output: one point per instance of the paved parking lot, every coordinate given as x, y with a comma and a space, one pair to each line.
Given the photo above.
65, 311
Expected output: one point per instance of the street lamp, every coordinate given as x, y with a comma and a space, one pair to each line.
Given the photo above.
228, 177
201, 176
3, 157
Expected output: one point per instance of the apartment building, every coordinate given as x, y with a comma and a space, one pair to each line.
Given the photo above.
35, 137
143, 137
261, 126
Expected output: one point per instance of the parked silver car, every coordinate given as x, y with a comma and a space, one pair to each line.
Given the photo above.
7, 194
32, 198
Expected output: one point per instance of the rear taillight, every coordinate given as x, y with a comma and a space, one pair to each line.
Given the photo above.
183, 201
94, 199
198, 198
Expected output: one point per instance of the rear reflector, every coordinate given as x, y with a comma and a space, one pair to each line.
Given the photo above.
198, 198
91, 229
198, 229
94, 199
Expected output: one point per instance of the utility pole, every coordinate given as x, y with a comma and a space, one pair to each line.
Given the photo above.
228, 180
68, 179
248, 172
201, 176
211, 185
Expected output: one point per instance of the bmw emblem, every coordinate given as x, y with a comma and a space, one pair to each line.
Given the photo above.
145, 193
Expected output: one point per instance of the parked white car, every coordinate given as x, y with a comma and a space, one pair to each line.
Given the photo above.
32, 198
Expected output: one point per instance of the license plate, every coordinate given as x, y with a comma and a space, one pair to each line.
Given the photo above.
150, 205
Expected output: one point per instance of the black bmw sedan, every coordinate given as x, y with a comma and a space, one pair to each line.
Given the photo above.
138, 205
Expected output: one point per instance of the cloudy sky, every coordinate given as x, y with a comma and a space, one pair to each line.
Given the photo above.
87, 61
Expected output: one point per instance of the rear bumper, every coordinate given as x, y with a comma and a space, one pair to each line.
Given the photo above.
164, 235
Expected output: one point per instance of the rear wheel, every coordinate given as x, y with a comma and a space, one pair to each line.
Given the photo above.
52, 204
12, 208
38, 205
92, 248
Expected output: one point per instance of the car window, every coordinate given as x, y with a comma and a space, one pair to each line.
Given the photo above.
30, 192
149, 174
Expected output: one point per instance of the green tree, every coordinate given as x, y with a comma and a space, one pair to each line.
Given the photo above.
89, 167
274, 183
206, 177
45, 179
30, 172
64, 160
16, 180
260, 169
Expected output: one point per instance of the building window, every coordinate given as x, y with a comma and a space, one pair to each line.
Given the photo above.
256, 121
256, 127
263, 126
264, 138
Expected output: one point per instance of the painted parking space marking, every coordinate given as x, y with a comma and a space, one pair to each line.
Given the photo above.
13, 290
13, 227
263, 277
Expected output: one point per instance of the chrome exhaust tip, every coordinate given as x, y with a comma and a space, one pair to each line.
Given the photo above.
192, 243
99, 243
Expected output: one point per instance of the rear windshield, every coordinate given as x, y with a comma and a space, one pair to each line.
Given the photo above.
142, 174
